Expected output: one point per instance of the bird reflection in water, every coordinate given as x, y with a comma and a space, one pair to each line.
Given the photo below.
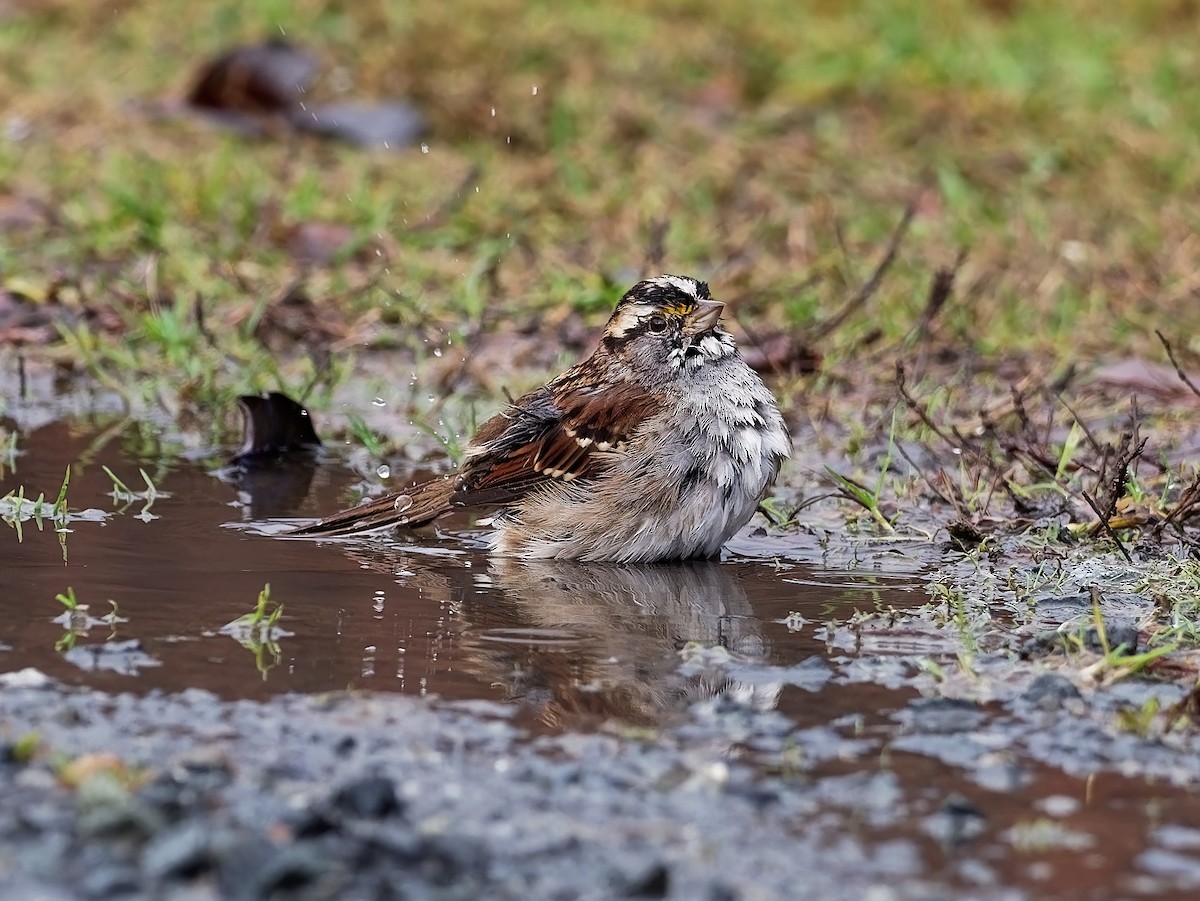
631, 623
579, 643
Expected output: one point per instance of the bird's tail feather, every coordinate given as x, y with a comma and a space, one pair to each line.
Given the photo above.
412, 509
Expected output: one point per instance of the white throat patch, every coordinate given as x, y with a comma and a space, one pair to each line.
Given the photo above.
713, 346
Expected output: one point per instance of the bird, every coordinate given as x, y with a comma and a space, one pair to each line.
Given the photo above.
657, 447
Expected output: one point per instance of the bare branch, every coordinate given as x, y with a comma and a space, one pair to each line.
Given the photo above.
1107, 526
871, 285
1178, 369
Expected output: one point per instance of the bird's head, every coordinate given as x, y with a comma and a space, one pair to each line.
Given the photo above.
671, 320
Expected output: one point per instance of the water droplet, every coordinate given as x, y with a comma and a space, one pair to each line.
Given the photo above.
384, 471
535, 90
424, 148
437, 351
493, 112
379, 402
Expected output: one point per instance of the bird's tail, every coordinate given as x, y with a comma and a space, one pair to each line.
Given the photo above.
412, 509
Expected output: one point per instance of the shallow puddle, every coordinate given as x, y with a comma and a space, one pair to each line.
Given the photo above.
435, 615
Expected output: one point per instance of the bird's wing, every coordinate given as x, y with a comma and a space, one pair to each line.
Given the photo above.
552, 434
560, 432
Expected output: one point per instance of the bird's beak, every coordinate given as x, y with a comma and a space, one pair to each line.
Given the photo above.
704, 317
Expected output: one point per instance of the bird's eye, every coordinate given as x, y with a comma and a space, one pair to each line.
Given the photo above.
658, 324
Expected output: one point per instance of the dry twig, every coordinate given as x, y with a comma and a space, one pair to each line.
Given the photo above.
1178, 369
871, 285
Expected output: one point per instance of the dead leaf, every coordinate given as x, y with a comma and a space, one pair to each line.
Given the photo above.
272, 426
1142, 377
385, 124
88, 766
295, 317
25, 321
260, 89
259, 79
316, 243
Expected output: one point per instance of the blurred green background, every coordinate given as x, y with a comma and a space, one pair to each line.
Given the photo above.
572, 147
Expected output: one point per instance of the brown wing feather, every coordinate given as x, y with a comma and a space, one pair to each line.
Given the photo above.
583, 423
551, 434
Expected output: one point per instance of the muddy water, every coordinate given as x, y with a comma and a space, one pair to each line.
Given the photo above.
435, 616
935, 794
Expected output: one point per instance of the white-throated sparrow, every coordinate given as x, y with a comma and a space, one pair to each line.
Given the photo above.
656, 447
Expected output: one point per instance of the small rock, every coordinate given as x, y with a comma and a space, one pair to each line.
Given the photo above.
35, 778
1040, 645
184, 786
110, 881
442, 860
959, 820
182, 853
243, 862
761, 796
964, 535
939, 716
1117, 633
25, 678
653, 881
1050, 690
1058, 805
370, 797
291, 868
315, 821
719, 891
119, 818
1001, 773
